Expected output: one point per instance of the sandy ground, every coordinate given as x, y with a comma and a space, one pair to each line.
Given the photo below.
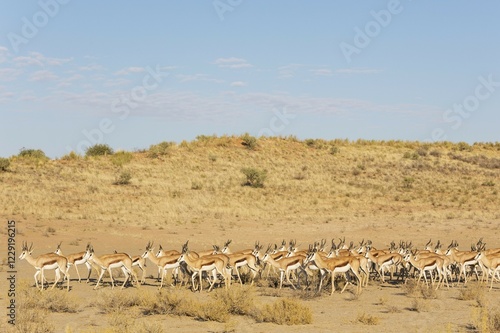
330, 313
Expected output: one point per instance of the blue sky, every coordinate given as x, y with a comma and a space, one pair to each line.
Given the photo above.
131, 74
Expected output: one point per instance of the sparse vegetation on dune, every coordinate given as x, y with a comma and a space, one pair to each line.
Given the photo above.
370, 178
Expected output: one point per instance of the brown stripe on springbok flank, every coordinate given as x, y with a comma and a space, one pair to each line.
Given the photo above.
171, 261
80, 257
208, 263
53, 261
240, 260
114, 261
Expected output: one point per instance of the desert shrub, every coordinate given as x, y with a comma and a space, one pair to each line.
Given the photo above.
334, 150
486, 320
4, 164
196, 185
249, 141
54, 300
488, 183
32, 320
109, 301
32, 153
254, 178
367, 319
472, 292
463, 146
160, 149
123, 178
72, 156
422, 151
239, 301
214, 311
411, 155
310, 142
99, 149
419, 305
408, 182
428, 293
435, 153
286, 312
121, 157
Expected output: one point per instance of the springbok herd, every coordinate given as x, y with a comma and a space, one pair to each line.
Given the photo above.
356, 264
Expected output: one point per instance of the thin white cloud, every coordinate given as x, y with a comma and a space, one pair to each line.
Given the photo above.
358, 71
38, 59
289, 71
66, 82
238, 84
130, 70
4, 54
9, 74
42, 75
116, 82
232, 62
197, 77
322, 72
6, 96
91, 68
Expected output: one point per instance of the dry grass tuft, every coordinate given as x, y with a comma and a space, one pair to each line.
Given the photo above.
367, 319
238, 300
285, 312
110, 301
485, 320
473, 292
51, 300
420, 305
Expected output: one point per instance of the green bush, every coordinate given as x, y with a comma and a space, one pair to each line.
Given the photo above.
249, 141
254, 178
4, 164
161, 149
99, 150
32, 153
121, 157
72, 156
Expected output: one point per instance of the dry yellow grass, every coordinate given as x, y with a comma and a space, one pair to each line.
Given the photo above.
200, 181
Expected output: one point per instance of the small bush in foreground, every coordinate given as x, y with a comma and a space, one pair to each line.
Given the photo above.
239, 301
486, 320
286, 312
99, 150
